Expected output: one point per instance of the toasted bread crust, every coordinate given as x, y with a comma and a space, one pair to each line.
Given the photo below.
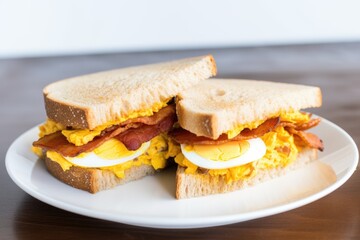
88, 101
94, 180
225, 104
65, 114
200, 184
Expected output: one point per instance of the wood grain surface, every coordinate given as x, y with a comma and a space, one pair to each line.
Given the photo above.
333, 67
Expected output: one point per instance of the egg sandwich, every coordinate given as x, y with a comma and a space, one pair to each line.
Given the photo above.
236, 133
109, 128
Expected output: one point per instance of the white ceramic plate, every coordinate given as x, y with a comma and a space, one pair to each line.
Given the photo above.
150, 202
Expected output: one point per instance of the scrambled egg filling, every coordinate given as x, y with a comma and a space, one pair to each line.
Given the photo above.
280, 151
156, 156
50, 127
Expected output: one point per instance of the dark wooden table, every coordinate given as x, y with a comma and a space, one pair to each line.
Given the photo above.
333, 67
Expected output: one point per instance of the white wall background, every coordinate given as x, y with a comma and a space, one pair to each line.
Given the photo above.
50, 27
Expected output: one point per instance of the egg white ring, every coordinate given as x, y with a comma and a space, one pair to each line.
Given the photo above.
93, 160
256, 151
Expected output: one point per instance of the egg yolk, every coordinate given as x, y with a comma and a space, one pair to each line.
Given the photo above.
220, 152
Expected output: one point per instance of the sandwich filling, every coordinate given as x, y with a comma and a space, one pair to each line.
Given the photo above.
279, 140
131, 141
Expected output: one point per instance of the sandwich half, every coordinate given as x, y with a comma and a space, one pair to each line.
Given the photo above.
237, 133
109, 128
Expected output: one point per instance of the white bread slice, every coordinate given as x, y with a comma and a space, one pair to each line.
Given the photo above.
91, 100
200, 184
94, 180
217, 106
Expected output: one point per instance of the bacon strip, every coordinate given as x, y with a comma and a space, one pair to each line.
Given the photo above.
302, 127
183, 136
264, 128
132, 135
305, 138
58, 142
133, 138
308, 139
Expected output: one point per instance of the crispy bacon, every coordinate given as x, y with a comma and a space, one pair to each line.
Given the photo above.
302, 127
133, 134
183, 136
304, 138
133, 138
265, 127
57, 142
307, 139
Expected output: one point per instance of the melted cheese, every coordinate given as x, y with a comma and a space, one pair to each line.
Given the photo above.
156, 156
274, 157
82, 136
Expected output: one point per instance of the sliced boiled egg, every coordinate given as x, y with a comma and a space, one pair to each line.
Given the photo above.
110, 153
227, 155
